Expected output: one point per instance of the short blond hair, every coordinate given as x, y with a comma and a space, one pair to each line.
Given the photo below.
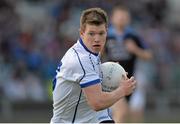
93, 16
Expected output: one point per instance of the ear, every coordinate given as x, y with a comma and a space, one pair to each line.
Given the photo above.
81, 33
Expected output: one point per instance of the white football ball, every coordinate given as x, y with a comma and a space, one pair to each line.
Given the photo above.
112, 75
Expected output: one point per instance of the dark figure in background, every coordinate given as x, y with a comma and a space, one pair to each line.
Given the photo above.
123, 46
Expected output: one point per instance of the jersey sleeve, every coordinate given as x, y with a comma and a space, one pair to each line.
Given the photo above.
91, 76
70, 69
78, 68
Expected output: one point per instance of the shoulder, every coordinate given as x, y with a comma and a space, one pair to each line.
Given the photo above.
130, 30
130, 33
70, 61
76, 58
71, 67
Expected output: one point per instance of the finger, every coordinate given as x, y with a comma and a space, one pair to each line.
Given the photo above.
132, 79
134, 84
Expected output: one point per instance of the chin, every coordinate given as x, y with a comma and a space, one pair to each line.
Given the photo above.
97, 50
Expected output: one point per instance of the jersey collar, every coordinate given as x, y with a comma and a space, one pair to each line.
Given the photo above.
81, 42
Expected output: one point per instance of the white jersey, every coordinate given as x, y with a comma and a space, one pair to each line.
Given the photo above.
79, 68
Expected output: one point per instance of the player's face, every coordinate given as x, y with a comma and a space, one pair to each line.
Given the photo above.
120, 18
94, 37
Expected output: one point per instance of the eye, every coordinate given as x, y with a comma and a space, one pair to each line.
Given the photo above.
91, 33
101, 33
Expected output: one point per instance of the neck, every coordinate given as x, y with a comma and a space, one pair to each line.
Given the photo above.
120, 29
86, 48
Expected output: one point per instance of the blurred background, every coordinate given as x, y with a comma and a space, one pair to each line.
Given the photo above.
34, 35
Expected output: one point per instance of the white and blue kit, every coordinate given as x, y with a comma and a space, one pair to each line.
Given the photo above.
79, 68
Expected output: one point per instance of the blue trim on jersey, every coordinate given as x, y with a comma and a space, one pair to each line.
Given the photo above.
90, 83
54, 83
81, 42
91, 61
54, 80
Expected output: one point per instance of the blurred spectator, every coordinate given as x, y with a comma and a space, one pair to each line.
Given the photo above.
15, 88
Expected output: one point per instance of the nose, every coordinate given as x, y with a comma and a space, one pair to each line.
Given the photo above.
97, 39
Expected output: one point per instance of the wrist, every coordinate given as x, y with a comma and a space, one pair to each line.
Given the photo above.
122, 92
119, 93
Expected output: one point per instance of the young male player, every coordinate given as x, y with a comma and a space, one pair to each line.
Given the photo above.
77, 91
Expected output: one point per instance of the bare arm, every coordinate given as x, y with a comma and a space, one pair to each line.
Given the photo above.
99, 100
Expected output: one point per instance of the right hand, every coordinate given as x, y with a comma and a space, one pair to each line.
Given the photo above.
128, 86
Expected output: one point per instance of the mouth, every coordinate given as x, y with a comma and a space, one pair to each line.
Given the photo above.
97, 46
